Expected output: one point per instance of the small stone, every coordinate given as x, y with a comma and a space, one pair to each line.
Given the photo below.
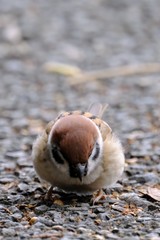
23, 187
12, 33
39, 225
46, 221
146, 177
115, 230
117, 208
143, 219
17, 216
72, 218
93, 215
84, 230
99, 210
132, 198
10, 232
99, 237
24, 223
15, 154
104, 216
24, 162
9, 165
41, 209
58, 228
7, 179
18, 124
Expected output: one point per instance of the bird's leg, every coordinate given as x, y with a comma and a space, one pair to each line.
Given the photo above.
48, 195
98, 195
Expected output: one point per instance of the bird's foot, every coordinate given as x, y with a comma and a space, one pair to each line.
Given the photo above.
97, 196
48, 196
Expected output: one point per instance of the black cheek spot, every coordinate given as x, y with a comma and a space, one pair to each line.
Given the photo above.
70, 113
86, 170
82, 113
57, 155
93, 117
95, 156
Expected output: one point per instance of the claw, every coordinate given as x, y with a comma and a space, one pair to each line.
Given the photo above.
48, 195
98, 195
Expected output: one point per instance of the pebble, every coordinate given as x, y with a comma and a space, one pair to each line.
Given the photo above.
23, 187
99, 210
72, 218
46, 221
39, 225
41, 209
132, 198
17, 216
24, 162
15, 154
8, 179
146, 178
104, 216
93, 215
30, 97
8, 232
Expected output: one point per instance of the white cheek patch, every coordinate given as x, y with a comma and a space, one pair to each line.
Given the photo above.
96, 154
96, 151
61, 167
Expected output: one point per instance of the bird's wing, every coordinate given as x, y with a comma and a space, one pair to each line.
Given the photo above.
97, 109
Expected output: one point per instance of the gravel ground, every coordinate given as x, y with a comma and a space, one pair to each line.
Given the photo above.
91, 35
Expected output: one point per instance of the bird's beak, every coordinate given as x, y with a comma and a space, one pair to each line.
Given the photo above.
78, 171
81, 171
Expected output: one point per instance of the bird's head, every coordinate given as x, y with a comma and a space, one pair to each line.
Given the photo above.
75, 145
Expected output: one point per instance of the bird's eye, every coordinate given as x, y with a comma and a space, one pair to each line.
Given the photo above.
57, 155
97, 151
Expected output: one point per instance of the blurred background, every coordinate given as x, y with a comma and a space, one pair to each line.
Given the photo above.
83, 36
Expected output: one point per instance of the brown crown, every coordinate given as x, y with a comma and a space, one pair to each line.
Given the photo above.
75, 136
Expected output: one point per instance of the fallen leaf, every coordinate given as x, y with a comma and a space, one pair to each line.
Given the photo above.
58, 202
131, 209
97, 221
154, 193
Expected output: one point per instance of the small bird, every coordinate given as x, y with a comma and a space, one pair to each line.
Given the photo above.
78, 153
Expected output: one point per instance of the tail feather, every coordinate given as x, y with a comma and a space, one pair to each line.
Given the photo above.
97, 109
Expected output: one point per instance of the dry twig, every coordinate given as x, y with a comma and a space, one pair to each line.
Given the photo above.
129, 70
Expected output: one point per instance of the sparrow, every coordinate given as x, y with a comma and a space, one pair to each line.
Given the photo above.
78, 152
